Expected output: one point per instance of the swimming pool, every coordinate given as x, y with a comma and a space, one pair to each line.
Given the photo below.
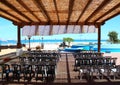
104, 48
108, 48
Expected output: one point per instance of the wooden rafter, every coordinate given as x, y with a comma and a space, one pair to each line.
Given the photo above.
118, 5
11, 15
42, 8
53, 23
56, 10
97, 10
87, 5
118, 13
71, 4
62, 15
27, 8
13, 8
8, 18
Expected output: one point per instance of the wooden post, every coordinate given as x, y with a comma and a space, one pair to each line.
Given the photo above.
19, 38
99, 37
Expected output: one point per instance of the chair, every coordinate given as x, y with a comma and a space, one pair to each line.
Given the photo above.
16, 70
104, 67
37, 59
94, 67
39, 70
31, 60
57, 56
78, 63
22, 59
50, 70
84, 68
114, 69
27, 71
6, 71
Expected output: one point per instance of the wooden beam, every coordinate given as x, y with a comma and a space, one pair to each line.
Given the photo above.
6, 12
71, 4
115, 7
87, 5
42, 8
98, 9
118, 13
9, 19
55, 23
5, 2
28, 9
56, 10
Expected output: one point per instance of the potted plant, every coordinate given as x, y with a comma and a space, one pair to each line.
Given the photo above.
69, 40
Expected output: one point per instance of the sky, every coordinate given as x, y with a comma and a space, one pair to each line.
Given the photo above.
8, 31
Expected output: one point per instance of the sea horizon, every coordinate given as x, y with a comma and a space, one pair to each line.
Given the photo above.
14, 42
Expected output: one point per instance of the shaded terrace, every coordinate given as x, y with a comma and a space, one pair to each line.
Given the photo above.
61, 12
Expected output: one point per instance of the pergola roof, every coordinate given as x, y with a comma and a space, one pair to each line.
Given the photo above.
59, 12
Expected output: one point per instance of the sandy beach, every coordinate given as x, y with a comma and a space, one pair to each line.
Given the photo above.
32, 46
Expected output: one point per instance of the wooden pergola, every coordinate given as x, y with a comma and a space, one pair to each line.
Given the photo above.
59, 12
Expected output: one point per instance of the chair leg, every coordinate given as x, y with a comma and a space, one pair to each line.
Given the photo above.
91, 74
42, 76
2, 76
7, 76
18, 77
98, 75
81, 75
114, 75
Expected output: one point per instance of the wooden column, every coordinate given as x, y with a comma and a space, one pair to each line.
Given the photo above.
99, 36
19, 37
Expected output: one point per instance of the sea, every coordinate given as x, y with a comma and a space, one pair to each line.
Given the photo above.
105, 46
14, 42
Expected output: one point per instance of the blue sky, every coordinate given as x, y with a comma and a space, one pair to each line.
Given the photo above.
8, 31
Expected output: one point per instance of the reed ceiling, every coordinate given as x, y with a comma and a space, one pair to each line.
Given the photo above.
59, 12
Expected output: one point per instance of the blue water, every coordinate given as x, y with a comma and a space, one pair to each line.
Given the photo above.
104, 47
14, 42
109, 47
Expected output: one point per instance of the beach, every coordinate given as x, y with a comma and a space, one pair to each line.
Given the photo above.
33, 46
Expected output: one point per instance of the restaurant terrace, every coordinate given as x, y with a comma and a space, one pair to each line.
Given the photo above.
60, 13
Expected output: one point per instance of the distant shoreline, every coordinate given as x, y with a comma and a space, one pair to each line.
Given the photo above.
14, 42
